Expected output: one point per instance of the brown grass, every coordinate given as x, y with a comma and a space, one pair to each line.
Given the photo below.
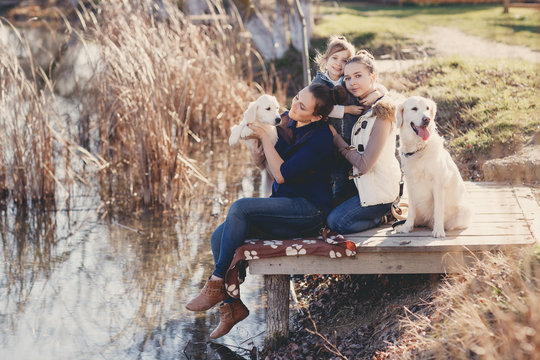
27, 166
165, 83
491, 311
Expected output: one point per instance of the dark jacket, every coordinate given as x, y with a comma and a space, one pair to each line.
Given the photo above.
340, 166
307, 153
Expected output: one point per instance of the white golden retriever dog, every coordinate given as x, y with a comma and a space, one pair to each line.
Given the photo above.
437, 194
264, 112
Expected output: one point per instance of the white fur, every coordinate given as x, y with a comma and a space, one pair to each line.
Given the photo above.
437, 194
264, 112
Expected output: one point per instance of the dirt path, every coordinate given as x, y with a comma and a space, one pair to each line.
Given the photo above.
450, 41
446, 41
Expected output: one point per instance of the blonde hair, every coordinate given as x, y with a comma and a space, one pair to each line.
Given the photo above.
364, 57
335, 44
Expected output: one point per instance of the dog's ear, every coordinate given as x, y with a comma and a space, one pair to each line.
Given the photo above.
251, 113
399, 115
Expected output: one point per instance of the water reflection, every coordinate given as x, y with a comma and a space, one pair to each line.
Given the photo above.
76, 286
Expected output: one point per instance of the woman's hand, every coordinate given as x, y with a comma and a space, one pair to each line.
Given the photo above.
333, 130
258, 131
372, 97
353, 109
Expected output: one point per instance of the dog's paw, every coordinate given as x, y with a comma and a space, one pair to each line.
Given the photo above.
438, 233
404, 229
246, 133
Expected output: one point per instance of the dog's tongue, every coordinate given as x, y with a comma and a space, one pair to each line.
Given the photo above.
423, 132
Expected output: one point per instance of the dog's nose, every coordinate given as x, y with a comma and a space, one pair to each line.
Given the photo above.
277, 120
425, 120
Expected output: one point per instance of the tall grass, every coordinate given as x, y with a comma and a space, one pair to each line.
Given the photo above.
165, 83
491, 311
27, 149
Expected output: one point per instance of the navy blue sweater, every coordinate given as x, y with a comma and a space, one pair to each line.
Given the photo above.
307, 153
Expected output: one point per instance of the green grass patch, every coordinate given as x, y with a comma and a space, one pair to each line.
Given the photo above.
376, 27
485, 110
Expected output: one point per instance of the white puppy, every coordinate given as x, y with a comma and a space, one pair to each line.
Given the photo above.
437, 194
264, 112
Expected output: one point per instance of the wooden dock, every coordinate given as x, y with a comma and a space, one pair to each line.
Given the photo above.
504, 217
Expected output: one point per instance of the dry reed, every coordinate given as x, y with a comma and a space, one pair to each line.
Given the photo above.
164, 83
490, 311
27, 145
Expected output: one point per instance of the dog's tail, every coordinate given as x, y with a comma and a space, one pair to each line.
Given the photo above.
236, 130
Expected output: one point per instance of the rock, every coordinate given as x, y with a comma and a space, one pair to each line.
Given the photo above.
522, 167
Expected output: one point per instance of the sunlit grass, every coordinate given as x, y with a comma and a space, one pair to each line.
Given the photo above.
373, 26
485, 110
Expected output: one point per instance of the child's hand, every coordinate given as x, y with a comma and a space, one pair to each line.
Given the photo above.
371, 98
353, 109
333, 130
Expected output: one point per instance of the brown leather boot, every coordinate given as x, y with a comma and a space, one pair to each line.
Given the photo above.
212, 293
229, 315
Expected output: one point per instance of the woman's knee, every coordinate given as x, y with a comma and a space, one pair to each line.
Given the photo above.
335, 221
238, 208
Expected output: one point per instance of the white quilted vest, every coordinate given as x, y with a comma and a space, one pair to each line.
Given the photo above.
380, 185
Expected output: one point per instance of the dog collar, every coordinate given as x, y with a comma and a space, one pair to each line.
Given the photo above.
413, 152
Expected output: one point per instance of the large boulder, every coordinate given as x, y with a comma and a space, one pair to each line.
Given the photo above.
522, 167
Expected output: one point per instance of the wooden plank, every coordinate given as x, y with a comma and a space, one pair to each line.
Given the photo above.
492, 218
366, 263
530, 209
419, 244
476, 229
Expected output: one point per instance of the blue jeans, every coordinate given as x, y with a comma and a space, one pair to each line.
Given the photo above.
276, 218
342, 190
350, 217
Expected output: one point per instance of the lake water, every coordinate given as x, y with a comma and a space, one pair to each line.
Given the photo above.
77, 283
74, 285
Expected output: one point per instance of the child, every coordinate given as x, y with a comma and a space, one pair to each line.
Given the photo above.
330, 73
331, 65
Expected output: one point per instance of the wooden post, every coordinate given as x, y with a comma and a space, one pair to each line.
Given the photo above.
305, 52
506, 3
277, 308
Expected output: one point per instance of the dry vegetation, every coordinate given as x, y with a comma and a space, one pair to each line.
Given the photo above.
27, 165
164, 83
491, 311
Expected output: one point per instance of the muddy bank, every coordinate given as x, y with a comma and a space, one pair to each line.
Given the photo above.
352, 316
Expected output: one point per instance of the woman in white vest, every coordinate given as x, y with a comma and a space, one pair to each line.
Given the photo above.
376, 171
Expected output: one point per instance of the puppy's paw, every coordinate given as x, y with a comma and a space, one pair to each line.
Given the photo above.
404, 229
246, 133
438, 232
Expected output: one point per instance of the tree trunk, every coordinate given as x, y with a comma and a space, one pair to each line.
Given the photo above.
295, 24
304, 50
277, 308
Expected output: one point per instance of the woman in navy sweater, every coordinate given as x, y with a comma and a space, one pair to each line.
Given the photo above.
301, 195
